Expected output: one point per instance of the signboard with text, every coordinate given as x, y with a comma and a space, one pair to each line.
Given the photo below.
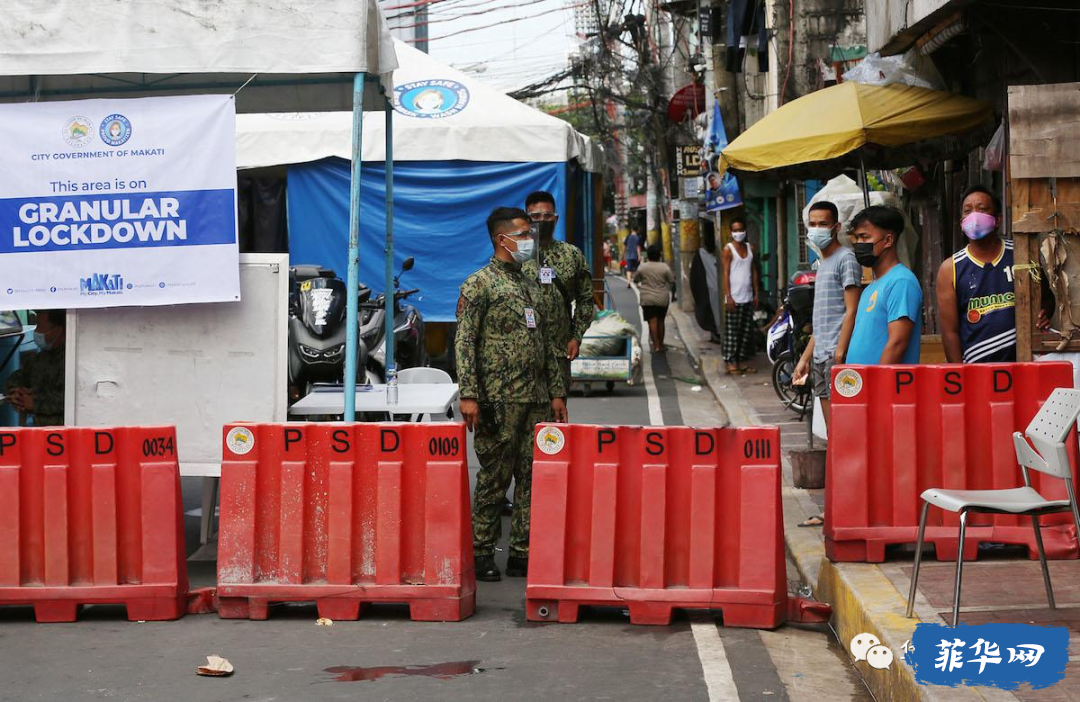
108, 203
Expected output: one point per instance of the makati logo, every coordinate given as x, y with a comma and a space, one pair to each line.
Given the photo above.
102, 284
115, 130
78, 131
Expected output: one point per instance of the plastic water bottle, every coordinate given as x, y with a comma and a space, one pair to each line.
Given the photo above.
391, 387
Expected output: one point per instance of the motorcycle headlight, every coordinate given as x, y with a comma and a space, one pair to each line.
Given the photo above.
335, 352
309, 352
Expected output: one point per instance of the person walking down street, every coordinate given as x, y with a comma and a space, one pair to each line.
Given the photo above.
632, 253
509, 380
37, 388
836, 302
565, 283
741, 289
975, 288
656, 286
889, 322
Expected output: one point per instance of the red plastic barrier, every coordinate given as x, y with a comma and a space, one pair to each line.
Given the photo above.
899, 430
345, 515
91, 516
656, 518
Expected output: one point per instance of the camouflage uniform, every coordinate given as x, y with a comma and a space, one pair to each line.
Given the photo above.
42, 373
504, 366
572, 283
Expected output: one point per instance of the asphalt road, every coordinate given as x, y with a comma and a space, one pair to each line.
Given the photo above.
493, 655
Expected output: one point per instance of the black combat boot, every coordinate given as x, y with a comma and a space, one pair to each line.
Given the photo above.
517, 567
486, 569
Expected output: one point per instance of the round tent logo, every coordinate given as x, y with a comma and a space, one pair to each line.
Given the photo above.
115, 130
550, 440
431, 99
78, 131
240, 440
848, 383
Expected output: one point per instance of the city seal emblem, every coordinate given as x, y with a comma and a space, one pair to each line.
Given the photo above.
550, 440
240, 440
78, 131
848, 383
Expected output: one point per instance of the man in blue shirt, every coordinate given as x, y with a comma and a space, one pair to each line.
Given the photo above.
889, 322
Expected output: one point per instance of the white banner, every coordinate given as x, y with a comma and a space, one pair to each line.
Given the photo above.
108, 203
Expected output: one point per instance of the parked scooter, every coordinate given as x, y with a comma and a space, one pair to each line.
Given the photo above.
409, 351
317, 304
788, 338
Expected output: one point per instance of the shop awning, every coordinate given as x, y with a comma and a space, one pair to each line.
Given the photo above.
897, 124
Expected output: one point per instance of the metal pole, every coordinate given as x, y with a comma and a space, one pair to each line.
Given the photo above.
391, 301
589, 242
353, 280
865, 185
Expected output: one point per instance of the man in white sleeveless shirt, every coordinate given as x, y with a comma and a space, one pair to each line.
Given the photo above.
741, 290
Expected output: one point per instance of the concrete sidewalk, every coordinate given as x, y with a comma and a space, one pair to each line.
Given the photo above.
1002, 586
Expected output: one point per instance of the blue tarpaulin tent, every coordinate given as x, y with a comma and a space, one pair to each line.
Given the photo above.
460, 149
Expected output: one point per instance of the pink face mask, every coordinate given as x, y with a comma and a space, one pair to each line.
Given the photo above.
978, 224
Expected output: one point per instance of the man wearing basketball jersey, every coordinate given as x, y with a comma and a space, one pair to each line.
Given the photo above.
975, 287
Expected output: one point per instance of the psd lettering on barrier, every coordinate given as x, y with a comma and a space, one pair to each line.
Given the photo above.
916, 427
344, 515
119, 202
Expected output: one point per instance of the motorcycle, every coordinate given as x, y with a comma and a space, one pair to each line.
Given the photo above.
409, 350
317, 304
787, 339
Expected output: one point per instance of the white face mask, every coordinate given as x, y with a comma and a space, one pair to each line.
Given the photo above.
739, 236
525, 250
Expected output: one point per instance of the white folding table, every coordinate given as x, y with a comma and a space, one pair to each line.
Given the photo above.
435, 399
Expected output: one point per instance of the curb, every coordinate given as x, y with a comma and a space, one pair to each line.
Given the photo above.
862, 596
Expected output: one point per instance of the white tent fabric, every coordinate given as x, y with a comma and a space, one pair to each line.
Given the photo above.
64, 49
442, 115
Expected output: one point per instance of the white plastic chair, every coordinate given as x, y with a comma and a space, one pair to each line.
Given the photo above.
434, 376
1047, 454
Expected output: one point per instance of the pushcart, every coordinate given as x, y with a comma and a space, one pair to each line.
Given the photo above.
609, 370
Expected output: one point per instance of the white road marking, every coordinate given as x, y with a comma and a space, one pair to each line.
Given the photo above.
714, 663
656, 416
710, 649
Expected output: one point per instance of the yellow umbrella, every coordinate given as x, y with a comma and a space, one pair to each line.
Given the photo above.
835, 123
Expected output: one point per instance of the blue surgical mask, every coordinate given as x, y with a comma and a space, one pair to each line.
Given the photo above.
42, 344
525, 250
820, 237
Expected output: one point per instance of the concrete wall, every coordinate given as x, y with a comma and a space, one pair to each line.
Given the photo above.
884, 18
819, 25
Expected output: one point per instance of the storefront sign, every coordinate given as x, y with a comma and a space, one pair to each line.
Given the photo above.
108, 203
689, 163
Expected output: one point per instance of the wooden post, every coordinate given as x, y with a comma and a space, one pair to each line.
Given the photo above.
1043, 144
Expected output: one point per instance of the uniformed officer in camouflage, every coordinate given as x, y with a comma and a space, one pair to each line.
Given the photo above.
509, 381
37, 388
564, 279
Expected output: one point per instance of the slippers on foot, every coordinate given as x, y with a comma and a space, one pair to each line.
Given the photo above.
817, 521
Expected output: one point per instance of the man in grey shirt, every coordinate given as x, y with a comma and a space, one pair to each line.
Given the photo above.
836, 301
